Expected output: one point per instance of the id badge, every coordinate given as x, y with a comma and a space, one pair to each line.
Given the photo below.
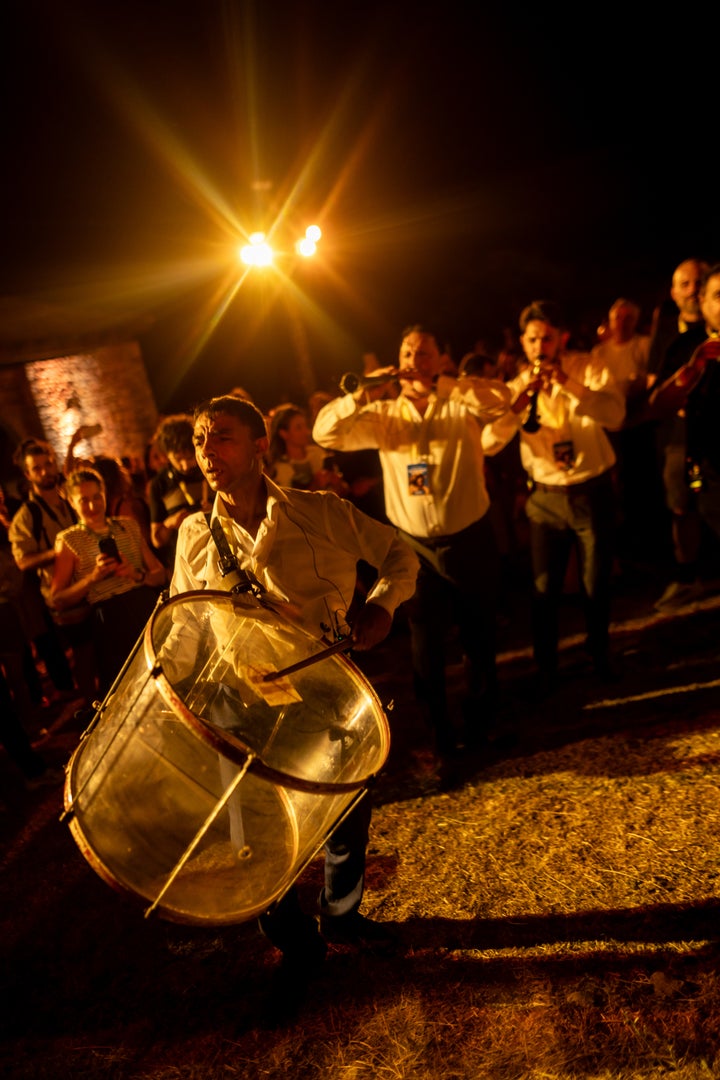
564, 454
418, 479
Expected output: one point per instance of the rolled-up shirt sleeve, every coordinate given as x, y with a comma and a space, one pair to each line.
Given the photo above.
598, 395
305, 555
379, 545
498, 434
343, 424
485, 399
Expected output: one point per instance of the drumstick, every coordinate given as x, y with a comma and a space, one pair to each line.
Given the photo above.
339, 646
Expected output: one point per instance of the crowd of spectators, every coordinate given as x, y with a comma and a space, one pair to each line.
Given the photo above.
623, 467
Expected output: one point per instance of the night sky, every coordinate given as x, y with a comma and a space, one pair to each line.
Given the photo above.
462, 160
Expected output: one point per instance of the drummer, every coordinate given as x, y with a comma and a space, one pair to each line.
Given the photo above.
303, 549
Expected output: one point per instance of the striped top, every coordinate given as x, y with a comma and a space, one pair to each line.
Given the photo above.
83, 543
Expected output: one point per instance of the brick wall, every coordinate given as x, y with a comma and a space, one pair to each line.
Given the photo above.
53, 398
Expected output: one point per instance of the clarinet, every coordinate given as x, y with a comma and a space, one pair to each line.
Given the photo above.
532, 424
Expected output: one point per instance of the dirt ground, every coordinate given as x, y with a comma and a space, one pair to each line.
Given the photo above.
556, 896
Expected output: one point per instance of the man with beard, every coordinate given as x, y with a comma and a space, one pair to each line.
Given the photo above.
32, 535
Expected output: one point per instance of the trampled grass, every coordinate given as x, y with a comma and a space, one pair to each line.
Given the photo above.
557, 908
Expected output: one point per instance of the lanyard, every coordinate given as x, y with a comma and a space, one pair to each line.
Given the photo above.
422, 442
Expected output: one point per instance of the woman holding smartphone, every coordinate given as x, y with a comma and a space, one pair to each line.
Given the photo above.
104, 565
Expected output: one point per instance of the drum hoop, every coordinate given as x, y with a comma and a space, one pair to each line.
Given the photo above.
123, 888
235, 750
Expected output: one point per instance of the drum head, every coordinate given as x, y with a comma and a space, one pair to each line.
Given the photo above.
216, 657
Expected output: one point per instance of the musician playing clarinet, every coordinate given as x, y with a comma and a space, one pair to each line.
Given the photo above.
676, 340
302, 549
562, 403
429, 442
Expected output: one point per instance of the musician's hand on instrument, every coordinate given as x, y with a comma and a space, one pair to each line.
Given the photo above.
522, 401
553, 373
545, 374
371, 626
390, 370
689, 375
709, 350
372, 391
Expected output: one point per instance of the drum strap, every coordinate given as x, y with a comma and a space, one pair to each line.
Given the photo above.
246, 582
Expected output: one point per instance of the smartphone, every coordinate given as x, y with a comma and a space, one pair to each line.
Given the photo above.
108, 546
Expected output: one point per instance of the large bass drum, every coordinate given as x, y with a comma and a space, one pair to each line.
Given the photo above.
207, 782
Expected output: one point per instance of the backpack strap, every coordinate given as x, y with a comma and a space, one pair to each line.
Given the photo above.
38, 505
38, 529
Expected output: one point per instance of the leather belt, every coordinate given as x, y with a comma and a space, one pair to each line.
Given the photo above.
569, 489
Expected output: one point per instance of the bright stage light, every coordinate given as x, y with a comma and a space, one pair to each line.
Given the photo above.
258, 252
308, 245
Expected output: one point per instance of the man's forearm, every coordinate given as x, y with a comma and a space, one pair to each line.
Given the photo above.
343, 425
36, 560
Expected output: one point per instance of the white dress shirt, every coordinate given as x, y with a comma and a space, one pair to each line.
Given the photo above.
572, 416
305, 555
627, 363
446, 441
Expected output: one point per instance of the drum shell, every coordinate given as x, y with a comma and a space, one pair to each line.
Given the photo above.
195, 792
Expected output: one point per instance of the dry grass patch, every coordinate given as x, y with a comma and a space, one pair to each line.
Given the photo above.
557, 915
